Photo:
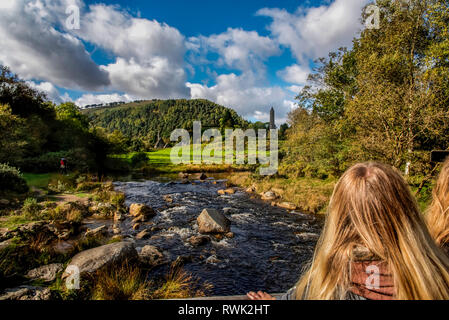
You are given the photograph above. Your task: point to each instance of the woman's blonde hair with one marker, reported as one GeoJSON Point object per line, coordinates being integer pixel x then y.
{"type": "Point", "coordinates": [372, 207]}
{"type": "Point", "coordinates": [438, 212]}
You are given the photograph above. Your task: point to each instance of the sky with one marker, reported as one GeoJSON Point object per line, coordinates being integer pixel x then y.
{"type": "Point", "coordinates": [249, 55]}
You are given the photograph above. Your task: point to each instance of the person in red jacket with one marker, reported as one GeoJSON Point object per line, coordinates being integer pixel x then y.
{"type": "Point", "coordinates": [63, 166]}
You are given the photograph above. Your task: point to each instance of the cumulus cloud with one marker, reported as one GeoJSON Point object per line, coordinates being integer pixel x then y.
{"type": "Point", "coordinates": [89, 99]}
{"type": "Point", "coordinates": [149, 55]}
{"type": "Point", "coordinates": [313, 32]}
{"type": "Point", "coordinates": [243, 94]}
{"type": "Point", "coordinates": [50, 91]}
{"type": "Point", "coordinates": [35, 49]}
{"type": "Point", "coordinates": [237, 48]}
{"type": "Point", "coordinates": [295, 74]}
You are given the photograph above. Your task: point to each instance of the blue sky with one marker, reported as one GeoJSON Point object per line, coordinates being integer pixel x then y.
{"type": "Point", "coordinates": [248, 55]}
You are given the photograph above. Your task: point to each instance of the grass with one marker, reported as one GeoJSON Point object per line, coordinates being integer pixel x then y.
{"type": "Point", "coordinates": [309, 195]}
{"type": "Point", "coordinates": [39, 180]}
{"type": "Point", "coordinates": [125, 282]}
{"type": "Point", "coordinates": [13, 221]}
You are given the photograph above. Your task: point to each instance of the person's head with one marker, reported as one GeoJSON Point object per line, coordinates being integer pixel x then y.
{"type": "Point", "coordinates": [372, 207]}
{"type": "Point", "coordinates": [438, 212]}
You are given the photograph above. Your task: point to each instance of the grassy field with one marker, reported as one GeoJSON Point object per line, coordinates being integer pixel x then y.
{"type": "Point", "coordinates": [39, 180]}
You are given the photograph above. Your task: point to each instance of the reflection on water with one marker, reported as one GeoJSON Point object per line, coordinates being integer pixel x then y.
{"type": "Point", "coordinates": [267, 252]}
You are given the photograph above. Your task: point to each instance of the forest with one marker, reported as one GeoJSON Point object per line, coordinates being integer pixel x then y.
{"type": "Point", "coordinates": [147, 125]}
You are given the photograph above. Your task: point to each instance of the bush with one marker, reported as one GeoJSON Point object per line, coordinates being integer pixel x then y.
{"type": "Point", "coordinates": [31, 209]}
{"type": "Point", "coordinates": [12, 180]}
{"type": "Point", "coordinates": [139, 158]}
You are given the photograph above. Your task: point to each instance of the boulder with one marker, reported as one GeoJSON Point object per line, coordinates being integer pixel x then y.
{"type": "Point", "coordinates": [287, 205]}
{"type": "Point", "coordinates": [151, 255]}
{"type": "Point", "coordinates": [94, 259]}
{"type": "Point", "coordinates": [251, 189]}
{"type": "Point", "coordinates": [46, 273]}
{"type": "Point", "coordinates": [269, 196]}
{"type": "Point", "coordinates": [212, 221]}
{"type": "Point", "coordinates": [230, 191]}
{"type": "Point", "coordinates": [197, 241]}
{"type": "Point", "coordinates": [143, 234]}
{"type": "Point", "coordinates": [96, 232]}
{"type": "Point", "coordinates": [138, 209]}
{"type": "Point", "coordinates": [4, 202]}
{"type": "Point", "coordinates": [167, 198]}
{"type": "Point", "coordinates": [213, 259]}
{"type": "Point", "coordinates": [26, 293]}
{"type": "Point", "coordinates": [221, 192]}
{"type": "Point", "coordinates": [229, 235]}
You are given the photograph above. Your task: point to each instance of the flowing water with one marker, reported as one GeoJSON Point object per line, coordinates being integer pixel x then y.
{"type": "Point", "coordinates": [268, 251]}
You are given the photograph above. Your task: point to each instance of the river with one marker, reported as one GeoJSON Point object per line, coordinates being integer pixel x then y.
{"type": "Point", "coordinates": [268, 252]}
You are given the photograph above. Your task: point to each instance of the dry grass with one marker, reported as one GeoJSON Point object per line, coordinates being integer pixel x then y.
{"type": "Point", "coordinates": [180, 285]}
{"type": "Point", "coordinates": [128, 282]}
{"type": "Point", "coordinates": [310, 195]}
{"type": "Point", "coordinates": [120, 283]}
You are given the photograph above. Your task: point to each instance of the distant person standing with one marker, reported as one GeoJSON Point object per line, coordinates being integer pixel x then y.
{"type": "Point", "coordinates": [63, 166]}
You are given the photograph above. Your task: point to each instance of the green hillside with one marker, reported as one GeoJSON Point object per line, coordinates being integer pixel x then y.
{"type": "Point", "coordinates": [149, 123]}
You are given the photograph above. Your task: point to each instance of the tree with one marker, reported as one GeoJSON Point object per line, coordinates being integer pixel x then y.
{"type": "Point", "coordinates": [12, 136]}
{"type": "Point", "coordinates": [395, 107]}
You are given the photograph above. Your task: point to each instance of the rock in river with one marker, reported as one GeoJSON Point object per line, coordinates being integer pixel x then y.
{"type": "Point", "coordinates": [143, 234]}
{"type": "Point", "coordinates": [212, 221]}
{"type": "Point", "coordinates": [197, 241]}
{"type": "Point", "coordinates": [138, 209]}
{"type": "Point", "coordinates": [151, 255]}
{"type": "Point", "coordinates": [91, 260]}
{"type": "Point", "coordinates": [287, 205]}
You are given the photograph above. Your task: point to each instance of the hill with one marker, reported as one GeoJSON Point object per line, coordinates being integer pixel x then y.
{"type": "Point", "coordinates": [149, 123]}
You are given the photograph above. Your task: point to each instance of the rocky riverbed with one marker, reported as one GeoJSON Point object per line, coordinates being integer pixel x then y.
{"type": "Point", "coordinates": [265, 248]}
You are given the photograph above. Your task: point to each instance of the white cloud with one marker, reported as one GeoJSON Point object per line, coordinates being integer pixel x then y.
{"type": "Point", "coordinates": [314, 32]}
{"type": "Point", "coordinates": [237, 48]}
{"type": "Point", "coordinates": [243, 94]}
{"type": "Point", "coordinates": [35, 49]}
{"type": "Point", "coordinates": [88, 99]}
{"type": "Point", "coordinates": [50, 91]}
{"type": "Point", "coordinates": [295, 74]}
{"type": "Point", "coordinates": [149, 55]}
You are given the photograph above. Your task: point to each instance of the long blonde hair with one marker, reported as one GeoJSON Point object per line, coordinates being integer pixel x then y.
{"type": "Point", "coordinates": [372, 207]}
{"type": "Point", "coordinates": [438, 212]}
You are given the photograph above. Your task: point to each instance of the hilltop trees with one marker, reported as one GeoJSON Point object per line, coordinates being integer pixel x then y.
{"type": "Point", "coordinates": [145, 124]}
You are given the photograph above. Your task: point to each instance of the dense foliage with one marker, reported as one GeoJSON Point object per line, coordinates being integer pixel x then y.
{"type": "Point", "coordinates": [35, 134]}
{"type": "Point", "coordinates": [146, 125]}
{"type": "Point", "coordinates": [11, 180]}
{"type": "Point", "coordinates": [386, 99]}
